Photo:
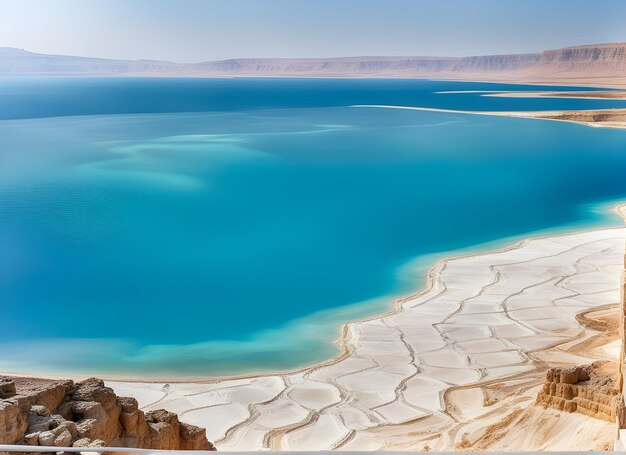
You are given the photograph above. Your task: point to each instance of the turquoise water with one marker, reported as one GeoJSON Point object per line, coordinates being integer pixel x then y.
{"type": "Point", "coordinates": [204, 227]}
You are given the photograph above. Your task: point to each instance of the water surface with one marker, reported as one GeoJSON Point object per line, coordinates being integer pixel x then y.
{"type": "Point", "coordinates": [201, 227]}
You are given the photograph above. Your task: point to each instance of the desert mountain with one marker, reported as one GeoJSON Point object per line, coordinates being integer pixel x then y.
{"type": "Point", "coordinates": [601, 63]}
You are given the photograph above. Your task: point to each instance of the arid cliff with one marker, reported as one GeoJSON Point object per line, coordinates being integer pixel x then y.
{"type": "Point", "coordinates": [600, 64]}
{"type": "Point", "coordinates": [601, 58]}
{"type": "Point", "coordinates": [368, 66]}
{"type": "Point", "coordinates": [40, 412]}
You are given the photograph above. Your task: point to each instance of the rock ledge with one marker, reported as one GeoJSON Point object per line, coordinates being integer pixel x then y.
{"type": "Point", "coordinates": [87, 414]}
{"type": "Point", "coordinates": [591, 390]}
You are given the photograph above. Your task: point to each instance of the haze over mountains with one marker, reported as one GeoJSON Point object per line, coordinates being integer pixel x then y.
{"type": "Point", "coordinates": [601, 64]}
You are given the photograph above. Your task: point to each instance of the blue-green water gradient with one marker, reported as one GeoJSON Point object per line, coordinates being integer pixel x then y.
{"type": "Point", "coordinates": [206, 227]}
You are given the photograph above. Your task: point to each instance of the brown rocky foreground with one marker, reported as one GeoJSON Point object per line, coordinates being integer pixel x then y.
{"type": "Point", "coordinates": [592, 390]}
{"type": "Point", "coordinates": [42, 412]}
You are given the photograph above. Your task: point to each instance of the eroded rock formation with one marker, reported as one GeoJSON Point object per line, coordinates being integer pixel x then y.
{"type": "Point", "coordinates": [87, 414]}
{"type": "Point", "coordinates": [591, 390]}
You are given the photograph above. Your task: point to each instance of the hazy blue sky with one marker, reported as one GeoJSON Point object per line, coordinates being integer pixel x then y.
{"type": "Point", "coordinates": [196, 30]}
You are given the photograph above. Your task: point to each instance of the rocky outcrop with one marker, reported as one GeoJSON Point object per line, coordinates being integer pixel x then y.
{"type": "Point", "coordinates": [592, 390]}
{"type": "Point", "coordinates": [87, 414]}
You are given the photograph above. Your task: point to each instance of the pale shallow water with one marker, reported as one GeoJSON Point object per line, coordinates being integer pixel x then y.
{"type": "Point", "coordinates": [204, 227]}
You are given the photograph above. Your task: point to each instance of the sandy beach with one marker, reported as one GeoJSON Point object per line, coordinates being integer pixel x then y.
{"type": "Point", "coordinates": [599, 118]}
{"type": "Point", "coordinates": [452, 367]}
{"type": "Point", "coordinates": [589, 95]}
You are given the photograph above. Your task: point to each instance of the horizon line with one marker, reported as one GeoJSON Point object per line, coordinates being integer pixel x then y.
{"type": "Point", "coordinates": [311, 58]}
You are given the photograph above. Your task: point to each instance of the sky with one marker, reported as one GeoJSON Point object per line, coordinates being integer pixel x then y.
{"type": "Point", "coordinates": [200, 30]}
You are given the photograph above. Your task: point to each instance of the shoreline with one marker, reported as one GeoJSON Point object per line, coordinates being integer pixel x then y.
{"type": "Point", "coordinates": [371, 349]}
{"type": "Point", "coordinates": [465, 331]}
{"type": "Point", "coordinates": [597, 118]}
{"type": "Point", "coordinates": [614, 95]}
{"type": "Point", "coordinates": [606, 83]}
{"type": "Point", "coordinates": [392, 305]}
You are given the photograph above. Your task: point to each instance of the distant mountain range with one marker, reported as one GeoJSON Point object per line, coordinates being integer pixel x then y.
{"type": "Point", "coordinates": [599, 64]}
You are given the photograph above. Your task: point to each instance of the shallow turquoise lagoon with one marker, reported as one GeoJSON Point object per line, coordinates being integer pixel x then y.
{"type": "Point", "coordinates": [206, 227]}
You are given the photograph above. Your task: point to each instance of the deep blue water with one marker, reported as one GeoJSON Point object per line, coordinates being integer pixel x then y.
{"type": "Point", "coordinates": [36, 97]}
{"type": "Point", "coordinates": [202, 226]}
